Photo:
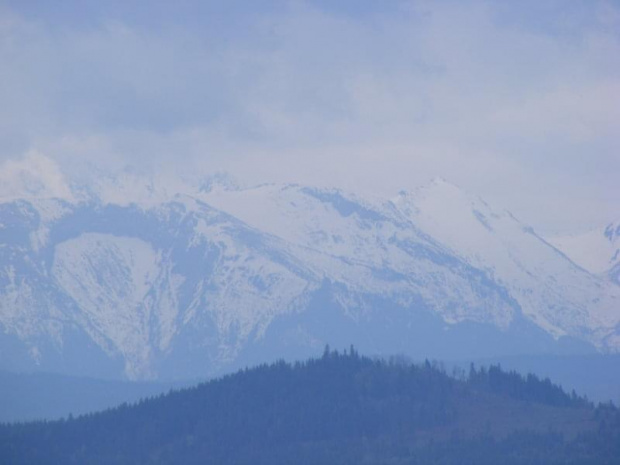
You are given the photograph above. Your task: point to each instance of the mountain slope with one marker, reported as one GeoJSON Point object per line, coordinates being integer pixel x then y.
{"type": "Point", "coordinates": [556, 294]}
{"type": "Point", "coordinates": [133, 279]}
{"type": "Point", "coordinates": [545, 286]}
{"type": "Point", "coordinates": [189, 284]}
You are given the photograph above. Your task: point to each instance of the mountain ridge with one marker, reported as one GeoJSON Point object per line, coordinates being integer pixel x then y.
{"type": "Point", "coordinates": [218, 272]}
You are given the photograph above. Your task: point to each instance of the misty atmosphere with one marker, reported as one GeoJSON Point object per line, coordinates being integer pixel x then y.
{"type": "Point", "coordinates": [310, 231]}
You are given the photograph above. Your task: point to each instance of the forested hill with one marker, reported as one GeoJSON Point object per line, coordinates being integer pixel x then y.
{"type": "Point", "coordinates": [340, 409]}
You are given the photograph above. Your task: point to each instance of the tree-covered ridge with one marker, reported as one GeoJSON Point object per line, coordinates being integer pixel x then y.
{"type": "Point", "coordinates": [338, 409]}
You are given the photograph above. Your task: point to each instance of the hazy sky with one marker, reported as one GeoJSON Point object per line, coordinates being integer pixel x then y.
{"type": "Point", "coordinates": [518, 101]}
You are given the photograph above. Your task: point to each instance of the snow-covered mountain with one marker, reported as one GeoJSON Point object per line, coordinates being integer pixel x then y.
{"type": "Point", "coordinates": [126, 278]}
{"type": "Point", "coordinates": [597, 250]}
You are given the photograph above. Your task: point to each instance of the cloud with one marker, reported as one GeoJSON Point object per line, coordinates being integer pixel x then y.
{"type": "Point", "coordinates": [33, 176]}
{"type": "Point", "coordinates": [515, 100]}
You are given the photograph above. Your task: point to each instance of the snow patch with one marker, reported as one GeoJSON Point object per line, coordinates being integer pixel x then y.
{"type": "Point", "coordinates": [109, 278]}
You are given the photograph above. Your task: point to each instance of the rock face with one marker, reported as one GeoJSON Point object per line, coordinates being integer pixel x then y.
{"type": "Point", "coordinates": [208, 280]}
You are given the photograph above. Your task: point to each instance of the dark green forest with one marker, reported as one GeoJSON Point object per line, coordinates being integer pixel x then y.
{"type": "Point", "coordinates": [342, 408]}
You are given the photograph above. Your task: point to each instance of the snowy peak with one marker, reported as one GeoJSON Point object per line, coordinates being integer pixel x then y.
{"type": "Point", "coordinates": [317, 218]}
{"type": "Point", "coordinates": [513, 255]}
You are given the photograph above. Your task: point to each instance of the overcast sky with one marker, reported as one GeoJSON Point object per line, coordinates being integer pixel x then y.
{"type": "Point", "coordinates": [517, 101]}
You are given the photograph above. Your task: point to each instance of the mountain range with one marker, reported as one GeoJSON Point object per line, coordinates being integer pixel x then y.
{"type": "Point", "coordinates": [123, 279]}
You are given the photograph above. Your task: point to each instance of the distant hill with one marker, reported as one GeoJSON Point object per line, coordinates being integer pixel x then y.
{"type": "Point", "coordinates": [46, 396]}
{"type": "Point", "coordinates": [339, 409]}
